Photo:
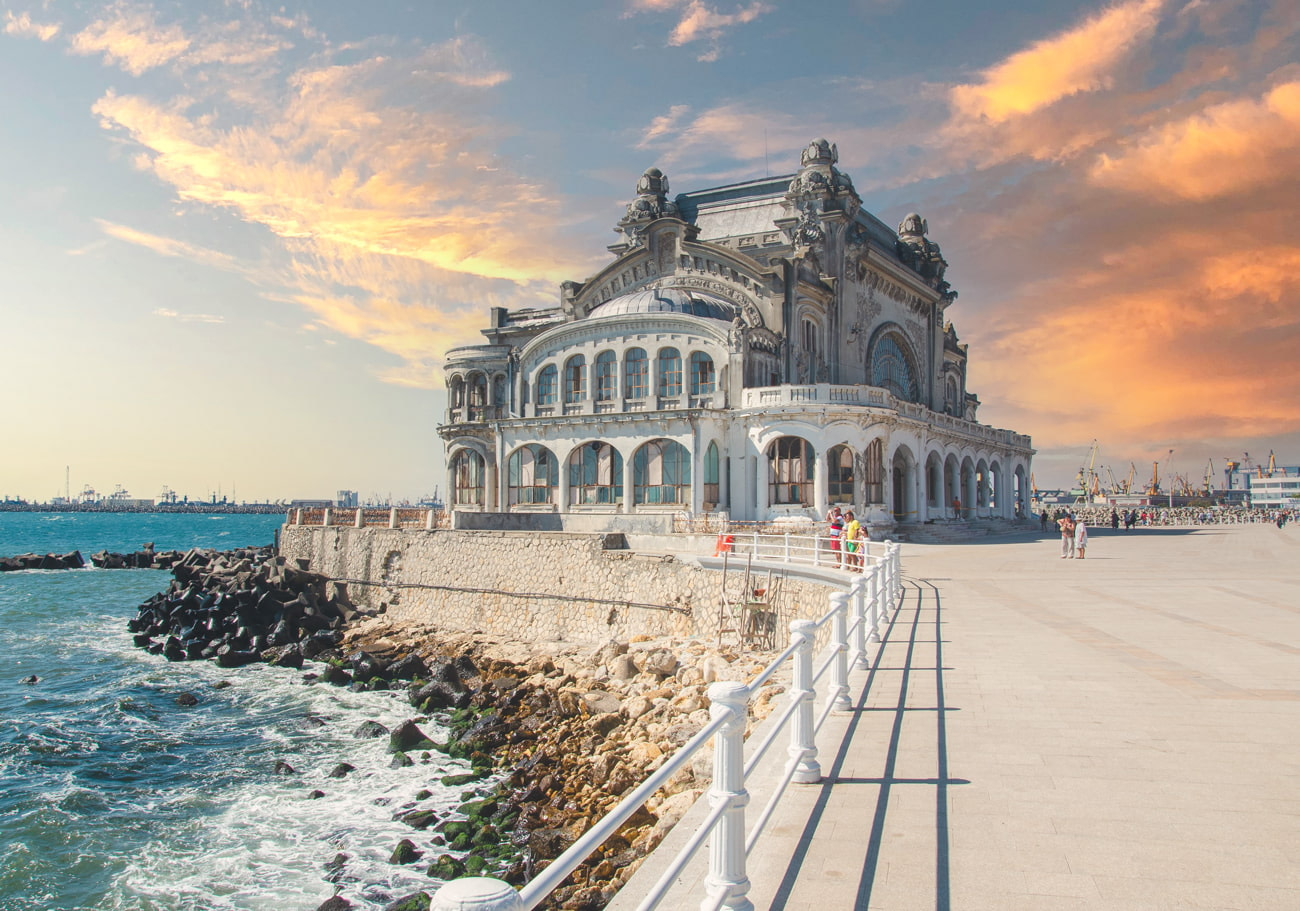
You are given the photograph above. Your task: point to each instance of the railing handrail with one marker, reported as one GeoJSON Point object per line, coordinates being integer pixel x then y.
{"type": "Point", "coordinates": [868, 598]}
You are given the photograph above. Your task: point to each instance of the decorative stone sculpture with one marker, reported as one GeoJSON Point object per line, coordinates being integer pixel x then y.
{"type": "Point", "coordinates": [651, 203]}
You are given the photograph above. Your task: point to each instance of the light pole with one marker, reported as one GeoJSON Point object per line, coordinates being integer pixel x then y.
{"type": "Point", "coordinates": [1168, 468]}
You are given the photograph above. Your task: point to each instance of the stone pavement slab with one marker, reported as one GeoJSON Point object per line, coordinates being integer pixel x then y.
{"type": "Point", "coordinates": [1120, 732]}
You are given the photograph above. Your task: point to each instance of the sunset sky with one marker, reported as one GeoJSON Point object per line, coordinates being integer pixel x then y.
{"type": "Point", "coordinates": [236, 238]}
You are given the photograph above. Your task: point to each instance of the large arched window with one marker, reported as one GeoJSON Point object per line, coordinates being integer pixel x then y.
{"type": "Point", "coordinates": [661, 473]}
{"type": "Point", "coordinates": [546, 383]}
{"type": "Point", "coordinates": [839, 465]}
{"type": "Point", "coordinates": [467, 478]}
{"type": "Point", "coordinates": [703, 378]}
{"type": "Point", "coordinates": [791, 472]}
{"type": "Point", "coordinates": [595, 475]}
{"type": "Point", "coordinates": [636, 374]}
{"type": "Point", "coordinates": [532, 473]}
{"type": "Point", "coordinates": [670, 372]}
{"type": "Point", "coordinates": [891, 367]}
{"type": "Point", "coordinates": [606, 376]}
{"type": "Point", "coordinates": [951, 405]}
{"type": "Point", "coordinates": [575, 379]}
{"type": "Point", "coordinates": [711, 475]}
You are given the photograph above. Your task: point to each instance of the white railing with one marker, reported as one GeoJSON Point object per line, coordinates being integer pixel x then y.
{"type": "Point", "coordinates": [855, 615]}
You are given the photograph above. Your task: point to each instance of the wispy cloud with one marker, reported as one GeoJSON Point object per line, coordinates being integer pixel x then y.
{"type": "Point", "coordinates": [1081, 59]}
{"type": "Point", "coordinates": [22, 26]}
{"type": "Point", "coordinates": [167, 313]}
{"type": "Point", "coordinates": [129, 37]}
{"type": "Point", "coordinates": [697, 21]}
{"type": "Point", "coordinates": [166, 246]}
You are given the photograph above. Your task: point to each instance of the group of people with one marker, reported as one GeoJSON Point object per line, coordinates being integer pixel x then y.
{"type": "Point", "coordinates": [1164, 516]}
{"type": "Point", "coordinates": [848, 539]}
{"type": "Point", "coordinates": [1074, 536]}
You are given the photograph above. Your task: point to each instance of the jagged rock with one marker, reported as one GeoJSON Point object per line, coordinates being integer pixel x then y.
{"type": "Point", "coordinates": [408, 736]}
{"type": "Point", "coordinates": [599, 702]}
{"type": "Point", "coordinates": [337, 903]}
{"type": "Point", "coordinates": [341, 770]}
{"type": "Point", "coordinates": [283, 768]}
{"type": "Point", "coordinates": [622, 667]}
{"type": "Point", "coordinates": [30, 680]}
{"type": "Point", "coordinates": [660, 662]}
{"type": "Point", "coordinates": [185, 700]}
{"type": "Point", "coordinates": [369, 729]}
{"type": "Point", "coordinates": [446, 868]}
{"type": "Point", "coordinates": [417, 901]}
{"type": "Point", "coordinates": [405, 853]}
{"type": "Point", "coordinates": [412, 667]}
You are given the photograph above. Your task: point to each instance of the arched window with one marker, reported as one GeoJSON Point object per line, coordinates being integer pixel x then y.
{"type": "Point", "coordinates": [575, 379]}
{"type": "Point", "coordinates": [532, 474]}
{"type": "Point", "coordinates": [891, 367]}
{"type": "Point", "coordinates": [457, 391]}
{"type": "Point", "coordinates": [661, 473]}
{"type": "Point", "coordinates": [711, 475]}
{"type": "Point", "coordinates": [546, 382]}
{"type": "Point", "coordinates": [791, 471]}
{"type": "Point", "coordinates": [670, 372]}
{"type": "Point", "coordinates": [703, 378]}
{"type": "Point", "coordinates": [606, 375]}
{"type": "Point", "coordinates": [467, 478]}
{"type": "Point", "coordinates": [951, 405]}
{"type": "Point", "coordinates": [839, 465]}
{"type": "Point", "coordinates": [595, 475]}
{"type": "Point", "coordinates": [636, 374]}
{"type": "Point", "coordinates": [478, 387]}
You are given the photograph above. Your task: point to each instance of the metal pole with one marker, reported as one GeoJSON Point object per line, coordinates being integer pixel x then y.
{"type": "Point", "coordinates": [727, 851]}
{"type": "Point", "coordinates": [802, 748]}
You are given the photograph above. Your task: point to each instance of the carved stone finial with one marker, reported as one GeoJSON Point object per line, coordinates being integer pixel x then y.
{"type": "Point", "coordinates": [913, 225]}
{"type": "Point", "coordinates": [819, 151]}
{"type": "Point", "coordinates": [651, 202]}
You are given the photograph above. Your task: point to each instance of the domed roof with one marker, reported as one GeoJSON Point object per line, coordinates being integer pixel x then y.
{"type": "Point", "coordinates": [668, 300]}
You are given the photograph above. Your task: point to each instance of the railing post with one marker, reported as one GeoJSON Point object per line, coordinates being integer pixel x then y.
{"type": "Point", "coordinates": [392, 517]}
{"type": "Point", "coordinates": [727, 851]}
{"type": "Point", "coordinates": [326, 517]}
{"type": "Point", "coordinates": [876, 610]}
{"type": "Point", "coordinates": [297, 516]}
{"type": "Point", "coordinates": [858, 590]}
{"type": "Point", "coordinates": [476, 893]}
{"type": "Point", "coordinates": [802, 748]}
{"type": "Point", "coordinates": [787, 547]}
{"type": "Point", "coordinates": [838, 696]}
{"type": "Point", "coordinates": [895, 583]}
{"type": "Point", "coordinates": [429, 520]}
{"type": "Point", "coordinates": [360, 520]}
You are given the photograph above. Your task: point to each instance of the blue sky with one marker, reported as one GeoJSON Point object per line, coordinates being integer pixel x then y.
{"type": "Point", "coordinates": [236, 238]}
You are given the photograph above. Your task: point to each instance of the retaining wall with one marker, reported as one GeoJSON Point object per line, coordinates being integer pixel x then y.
{"type": "Point", "coordinates": [535, 586]}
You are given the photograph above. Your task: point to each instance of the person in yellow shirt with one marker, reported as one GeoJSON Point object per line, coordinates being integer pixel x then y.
{"type": "Point", "coordinates": [852, 543]}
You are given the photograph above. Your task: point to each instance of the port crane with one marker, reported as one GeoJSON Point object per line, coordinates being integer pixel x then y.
{"type": "Point", "coordinates": [1088, 481]}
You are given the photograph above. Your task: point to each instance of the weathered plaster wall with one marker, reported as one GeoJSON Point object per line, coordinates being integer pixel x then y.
{"type": "Point", "coordinates": [538, 586]}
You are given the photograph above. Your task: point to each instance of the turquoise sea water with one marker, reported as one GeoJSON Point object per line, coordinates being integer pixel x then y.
{"type": "Point", "coordinates": [113, 796]}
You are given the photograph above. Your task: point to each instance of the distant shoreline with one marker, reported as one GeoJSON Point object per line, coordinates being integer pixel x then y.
{"type": "Point", "coordinates": [168, 509]}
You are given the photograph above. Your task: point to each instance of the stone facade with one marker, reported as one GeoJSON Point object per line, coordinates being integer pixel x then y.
{"type": "Point", "coordinates": [533, 587]}
{"type": "Point", "coordinates": [765, 349]}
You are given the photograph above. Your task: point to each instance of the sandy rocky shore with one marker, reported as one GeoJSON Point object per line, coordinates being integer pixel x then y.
{"type": "Point", "coordinates": [554, 733]}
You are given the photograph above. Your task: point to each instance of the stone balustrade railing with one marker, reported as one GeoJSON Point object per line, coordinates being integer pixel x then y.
{"type": "Point", "coordinates": [370, 517]}
{"type": "Point", "coordinates": [854, 617]}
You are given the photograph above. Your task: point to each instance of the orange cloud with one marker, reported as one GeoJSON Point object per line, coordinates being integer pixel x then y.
{"type": "Point", "coordinates": [1233, 147]}
{"type": "Point", "coordinates": [1078, 60]}
{"type": "Point", "coordinates": [22, 26]}
{"type": "Point", "coordinates": [699, 21]}
{"type": "Point", "coordinates": [130, 38]}
{"type": "Point", "coordinates": [166, 246]}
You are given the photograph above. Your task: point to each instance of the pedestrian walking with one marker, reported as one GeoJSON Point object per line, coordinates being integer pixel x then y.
{"type": "Point", "coordinates": [1080, 539]}
{"type": "Point", "coordinates": [1066, 524]}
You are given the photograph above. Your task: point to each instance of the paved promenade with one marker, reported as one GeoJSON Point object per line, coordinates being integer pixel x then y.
{"type": "Point", "coordinates": [1120, 732]}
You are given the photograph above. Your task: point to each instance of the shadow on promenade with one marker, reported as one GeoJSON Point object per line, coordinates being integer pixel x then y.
{"type": "Point", "coordinates": [917, 622]}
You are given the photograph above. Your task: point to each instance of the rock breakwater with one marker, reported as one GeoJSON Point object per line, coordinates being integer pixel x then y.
{"type": "Point", "coordinates": [555, 737]}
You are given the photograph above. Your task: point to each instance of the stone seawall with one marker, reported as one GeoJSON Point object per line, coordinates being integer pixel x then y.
{"type": "Point", "coordinates": [531, 586]}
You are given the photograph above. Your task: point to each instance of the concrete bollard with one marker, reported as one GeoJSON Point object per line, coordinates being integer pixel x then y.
{"type": "Point", "coordinates": [727, 849]}
{"type": "Point", "coordinates": [838, 694]}
{"type": "Point", "coordinates": [476, 893]}
{"type": "Point", "coordinates": [326, 517]}
{"type": "Point", "coordinates": [360, 520]}
{"type": "Point", "coordinates": [392, 517]}
{"type": "Point", "coordinates": [802, 746]}
{"type": "Point", "coordinates": [858, 592]}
